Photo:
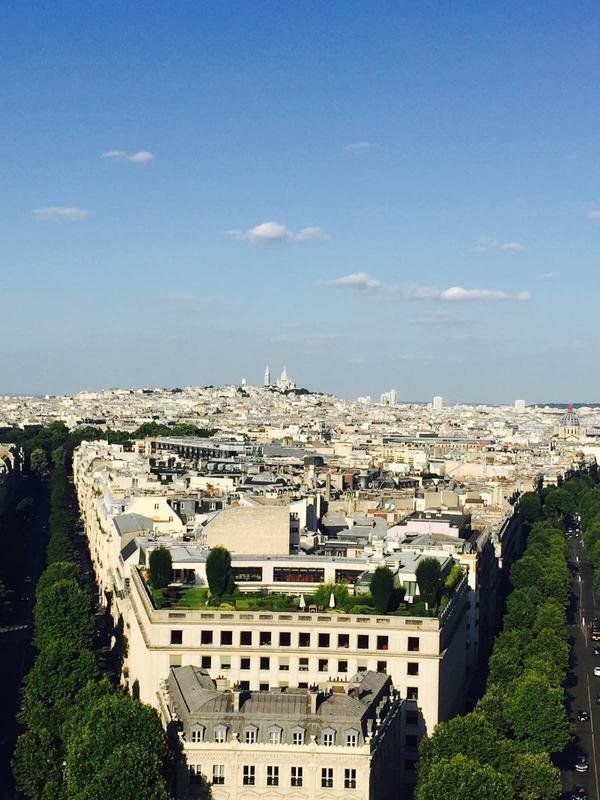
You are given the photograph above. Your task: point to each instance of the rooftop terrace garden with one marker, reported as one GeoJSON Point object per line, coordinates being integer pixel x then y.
{"type": "Point", "coordinates": [384, 597]}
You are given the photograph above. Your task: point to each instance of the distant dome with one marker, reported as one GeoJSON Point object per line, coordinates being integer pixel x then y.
{"type": "Point", "coordinates": [570, 420]}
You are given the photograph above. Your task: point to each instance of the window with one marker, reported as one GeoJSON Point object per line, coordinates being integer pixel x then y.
{"type": "Point", "coordinates": [272, 776]}
{"type": "Point", "coordinates": [244, 574]}
{"type": "Point", "coordinates": [297, 774]}
{"type": "Point", "coordinates": [362, 666]}
{"type": "Point", "coordinates": [226, 637]}
{"type": "Point", "coordinates": [412, 717]}
{"type": "Point", "coordinates": [285, 639]}
{"type": "Point", "coordinates": [221, 733]}
{"type": "Point", "coordinates": [303, 665]}
{"type": "Point", "coordinates": [412, 693]}
{"type": "Point", "coordinates": [264, 638]}
{"type": "Point", "coordinates": [197, 732]}
{"type": "Point", "coordinates": [413, 644]}
{"type": "Point", "coordinates": [298, 575]}
{"type": "Point", "coordinates": [323, 640]}
{"type": "Point", "coordinates": [250, 735]}
{"type": "Point", "coordinates": [349, 779]}
{"type": "Point", "coordinates": [382, 642]}
{"type": "Point", "coordinates": [249, 775]}
{"type": "Point", "coordinates": [205, 662]}
{"type": "Point", "coordinates": [323, 665]}
{"type": "Point", "coordinates": [226, 662]}
{"type": "Point", "coordinates": [174, 661]}
{"type": "Point", "coordinates": [275, 735]}
{"type": "Point", "coordinates": [412, 668]}
{"type": "Point", "coordinates": [263, 687]}
{"type": "Point", "coordinates": [351, 738]}
{"type": "Point", "coordinates": [156, 506]}
{"type": "Point", "coordinates": [327, 777]}
{"type": "Point", "coordinates": [176, 637]}
{"type": "Point", "coordinates": [206, 637]}
{"type": "Point", "coordinates": [298, 736]}
{"type": "Point", "coordinates": [244, 663]}
{"type": "Point", "coordinates": [410, 740]}
{"type": "Point", "coordinates": [344, 640]}
{"type": "Point", "coordinates": [218, 774]}
{"type": "Point", "coordinates": [328, 737]}
{"type": "Point", "coordinates": [342, 666]}
{"type": "Point", "coordinates": [362, 641]}
{"type": "Point", "coordinates": [195, 774]}
{"type": "Point", "coordinates": [246, 638]}
{"type": "Point", "coordinates": [304, 640]}
{"type": "Point", "coordinates": [382, 666]}
{"type": "Point", "coordinates": [265, 662]}
{"type": "Point", "coordinates": [284, 664]}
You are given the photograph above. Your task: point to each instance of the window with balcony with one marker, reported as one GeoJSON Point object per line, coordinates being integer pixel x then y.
{"type": "Point", "coordinates": [297, 776]}
{"type": "Point", "coordinates": [327, 777]}
{"type": "Point", "coordinates": [249, 775]}
{"type": "Point", "coordinates": [272, 775]}
{"type": "Point", "coordinates": [218, 774]}
{"type": "Point", "coordinates": [350, 778]}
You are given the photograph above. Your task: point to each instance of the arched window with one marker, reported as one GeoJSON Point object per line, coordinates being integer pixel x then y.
{"type": "Point", "coordinates": [197, 733]}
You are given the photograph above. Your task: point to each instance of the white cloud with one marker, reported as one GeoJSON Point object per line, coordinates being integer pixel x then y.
{"type": "Point", "coordinates": [140, 157]}
{"type": "Point", "coordinates": [358, 147]}
{"type": "Point", "coordinates": [275, 232]}
{"type": "Point", "coordinates": [60, 213]}
{"type": "Point", "coordinates": [457, 293]}
{"type": "Point", "coordinates": [306, 234]}
{"type": "Point", "coordinates": [486, 243]}
{"type": "Point", "coordinates": [593, 213]}
{"type": "Point", "coordinates": [355, 280]}
{"type": "Point", "coordinates": [412, 291]}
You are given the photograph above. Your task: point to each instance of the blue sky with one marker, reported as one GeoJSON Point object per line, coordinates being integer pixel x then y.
{"type": "Point", "coordinates": [383, 194]}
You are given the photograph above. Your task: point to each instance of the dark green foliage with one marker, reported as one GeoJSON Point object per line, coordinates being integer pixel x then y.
{"type": "Point", "coordinates": [57, 571]}
{"type": "Point", "coordinates": [38, 462]}
{"type": "Point", "coordinates": [63, 611]}
{"type": "Point", "coordinates": [37, 765]}
{"type": "Point", "coordinates": [459, 778]}
{"type": "Point", "coordinates": [382, 589]}
{"type": "Point", "coordinates": [529, 506]}
{"type": "Point", "coordinates": [161, 568]}
{"type": "Point", "coordinates": [429, 579]}
{"type": "Point", "coordinates": [559, 502]}
{"type": "Point", "coordinates": [218, 571]}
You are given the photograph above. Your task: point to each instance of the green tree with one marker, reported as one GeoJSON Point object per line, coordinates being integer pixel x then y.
{"type": "Point", "coordinates": [322, 595]}
{"type": "Point", "coordinates": [37, 765]}
{"type": "Point", "coordinates": [110, 728]}
{"type": "Point", "coordinates": [530, 507]}
{"type": "Point", "coordinates": [460, 777]}
{"type": "Point", "coordinates": [429, 579]}
{"type": "Point", "coordinates": [63, 611]}
{"type": "Point", "coordinates": [558, 503]}
{"type": "Point", "coordinates": [536, 778]}
{"type": "Point", "coordinates": [161, 568]}
{"type": "Point", "coordinates": [58, 571]}
{"type": "Point", "coordinates": [218, 571]}
{"type": "Point", "coordinates": [536, 714]}
{"type": "Point", "coordinates": [38, 461]}
{"type": "Point", "coordinates": [382, 588]}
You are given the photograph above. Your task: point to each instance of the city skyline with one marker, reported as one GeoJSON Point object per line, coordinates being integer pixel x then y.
{"type": "Point", "coordinates": [193, 190]}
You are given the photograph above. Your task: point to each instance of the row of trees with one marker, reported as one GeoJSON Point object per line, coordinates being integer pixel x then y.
{"type": "Point", "coordinates": [83, 739]}
{"type": "Point", "coordinates": [502, 749]}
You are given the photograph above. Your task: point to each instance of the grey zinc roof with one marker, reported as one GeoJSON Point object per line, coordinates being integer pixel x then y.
{"type": "Point", "coordinates": [133, 523]}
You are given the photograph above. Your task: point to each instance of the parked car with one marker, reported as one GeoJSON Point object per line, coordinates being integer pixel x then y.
{"type": "Point", "coordinates": [597, 651]}
{"type": "Point", "coordinates": [581, 763]}
{"type": "Point", "coordinates": [583, 715]}
{"type": "Point", "coordinates": [597, 671]}
{"type": "Point", "coordinates": [579, 792]}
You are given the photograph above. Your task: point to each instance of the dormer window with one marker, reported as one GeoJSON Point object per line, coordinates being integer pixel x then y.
{"type": "Point", "coordinates": [328, 737]}
{"type": "Point", "coordinates": [275, 735]}
{"type": "Point", "coordinates": [351, 738]}
{"type": "Point", "coordinates": [250, 734]}
{"type": "Point", "coordinates": [220, 733]}
{"type": "Point", "coordinates": [197, 733]}
{"type": "Point", "coordinates": [298, 736]}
